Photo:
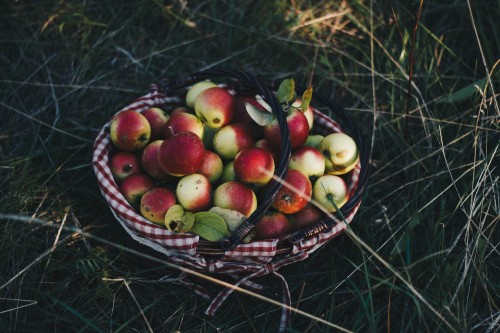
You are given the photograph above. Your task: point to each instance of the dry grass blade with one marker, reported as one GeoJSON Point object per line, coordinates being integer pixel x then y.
{"type": "Point", "coordinates": [82, 233]}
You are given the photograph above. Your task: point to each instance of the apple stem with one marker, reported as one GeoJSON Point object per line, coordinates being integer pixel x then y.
{"type": "Point", "coordinates": [171, 130]}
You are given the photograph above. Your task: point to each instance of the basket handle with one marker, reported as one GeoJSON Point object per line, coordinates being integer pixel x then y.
{"type": "Point", "coordinates": [245, 80]}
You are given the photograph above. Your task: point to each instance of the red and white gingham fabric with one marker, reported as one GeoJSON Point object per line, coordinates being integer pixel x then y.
{"type": "Point", "coordinates": [246, 261]}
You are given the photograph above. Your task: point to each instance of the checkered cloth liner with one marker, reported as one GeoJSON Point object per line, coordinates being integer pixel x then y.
{"type": "Point", "coordinates": [246, 261]}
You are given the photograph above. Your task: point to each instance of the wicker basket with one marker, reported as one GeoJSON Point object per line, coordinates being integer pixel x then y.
{"type": "Point", "coordinates": [242, 261]}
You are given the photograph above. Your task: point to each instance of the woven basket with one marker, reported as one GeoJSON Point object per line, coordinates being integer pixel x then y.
{"type": "Point", "coordinates": [242, 261]}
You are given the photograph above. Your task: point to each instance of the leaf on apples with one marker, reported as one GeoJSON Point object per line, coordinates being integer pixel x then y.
{"type": "Point", "coordinates": [209, 226]}
{"type": "Point", "coordinates": [178, 220]}
{"type": "Point", "coordinates": [286, 91]}
{"type": "Point", "coordinates": [263, 118]}
{"type": "Point", "coordinates": [232, 218]}
{"type": "Point", "coordinates": [263, 103]}
{"type": "Point", "coordinates": [306, 98]}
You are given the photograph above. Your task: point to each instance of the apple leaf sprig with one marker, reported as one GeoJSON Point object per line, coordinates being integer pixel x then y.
{"type": "Point", "coordinates": [286, 96]}
{"type": "Point", "coordinates": [211, 225]}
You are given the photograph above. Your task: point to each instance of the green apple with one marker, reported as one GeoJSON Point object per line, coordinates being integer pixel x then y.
{"type": "Point", "coordinates": [341, 153]}
{"type": "Point", "coordinates": [314, 140]}
{"type": "Point", "coordinates": [329, 189]}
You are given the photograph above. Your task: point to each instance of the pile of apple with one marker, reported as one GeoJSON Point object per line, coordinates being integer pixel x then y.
{"type": "Point", "coordinates": [199, 167]}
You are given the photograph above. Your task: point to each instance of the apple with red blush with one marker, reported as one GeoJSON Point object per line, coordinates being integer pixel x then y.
{"type": "Point", "coordinates": [254, 166]}
{"type": "Point", "coordinates": [183, 122]}
{"type": "Point", "coordinates": [231, 139]}
{"type": "Point", "coordinates": [130, 131]}
{"type": "Point", "coordinates": [212, 167]}
{"type": "Point", "coordinates": [155, 203]}
{"type": "Point", "coordinates": [309, 161]}
{"type": "Point", "coordinates": [308, 215]}
{"type": "Point", "coordinates": [263, 143]}
{"type": "Point", "coordinates": [183, 154]}
{"type": "Point", "coordinates": [272, 225]}
{"type": "Point", "coordinates": [236, 196]}
{"type": "Point", "coordinates": [194, 192]}
{"type": "Point", "coordinates": [308, 112]}
{"type": "Point", "coordinates": [195, 90]}
{"type": "Point", "coordinates": [134, 186]}
{"type": "Point", "coordinates": [298, 126]}
{"type": "Point", "coordinates": [150, 162]}
{"type": "Point", "coordinates": [179, 109]}
{"type": "Point", "coordinates": [241, 114]}
{"type": "Point", "coordinates": [157, 119]}
{"type": "Point", "coordinates": [294, 194]}
{"type": "Point", "coordinates": [123, 164]}
{"type": "Point", "coordinates": [215, 106]}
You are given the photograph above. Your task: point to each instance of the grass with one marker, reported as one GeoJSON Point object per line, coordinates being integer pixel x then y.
{"type": "Point", "coordinates": [423, 251]}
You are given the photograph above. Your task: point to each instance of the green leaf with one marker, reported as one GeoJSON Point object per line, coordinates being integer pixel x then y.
{"type": "Point", "coordinates": [232, 218]}
{"type": "Point", "coordinates": [306, 98]}
{"type": "Point", "coordinates": [286, 91]}
{"type": "Point", "coordinates": [263, 118]}
{"type": "Point", "coordinates": [262, 102]}
{"type": "Point", "coordinates": [209, 226]}
{"type": "Point", "coordinates": [178, 220]}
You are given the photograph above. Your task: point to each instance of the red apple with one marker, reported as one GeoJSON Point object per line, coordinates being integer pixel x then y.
{"type": "Point", "coordinates": [195, 90]}
{"type": "Point", "coordinates": [254, 166]}
{"type": "Point", "coordinates": [134, 186]}
{"type": "Point", "coordinates": [157, 119]}
{"type": "Point", "coordinates": [309, 113]}
{"type": "Point", "coordinates": [263, 143]}
{"type": "Point", "coordinates": [309, 161]}
{"type": "Point", "coordinates": [306, 216]}
{"type": "Point", "coordinates": [155, 203]}
{"type": "Point", "coordinates": [241, 114]}
{"type": "Point", "coordinates": [150, 162]}
{"type": "Point", "coordinates": [215, 107]}
{"type": "Point", "coordinates": [212, 167]}
{"type": "Point", "coordinates": [294, 194]}
{"type": "Point", "coordinates": [236, 196]}
{"type": "Point", "coordinates": [183, 122]}
{"type": "Point", "coordinates": [231, 139]}
{"type": "Point", "coordinates": [193, 192]}
{"type": "Point", "coordinates": [184, 109]}
{"type": "Point", "coordinates": [123, 164]}
{"type": "Point", "coordinates": [130, 131]}
{"type": "Point", "coordinates": [273, 225]}
{"type": "Point", "coordinates": [182, 154]}
{"type": "Point", "coordinates": [299, 130]}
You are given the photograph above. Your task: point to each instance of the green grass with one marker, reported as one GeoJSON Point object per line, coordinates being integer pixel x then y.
{"type": "Point", "coordinates": [423, 251]}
